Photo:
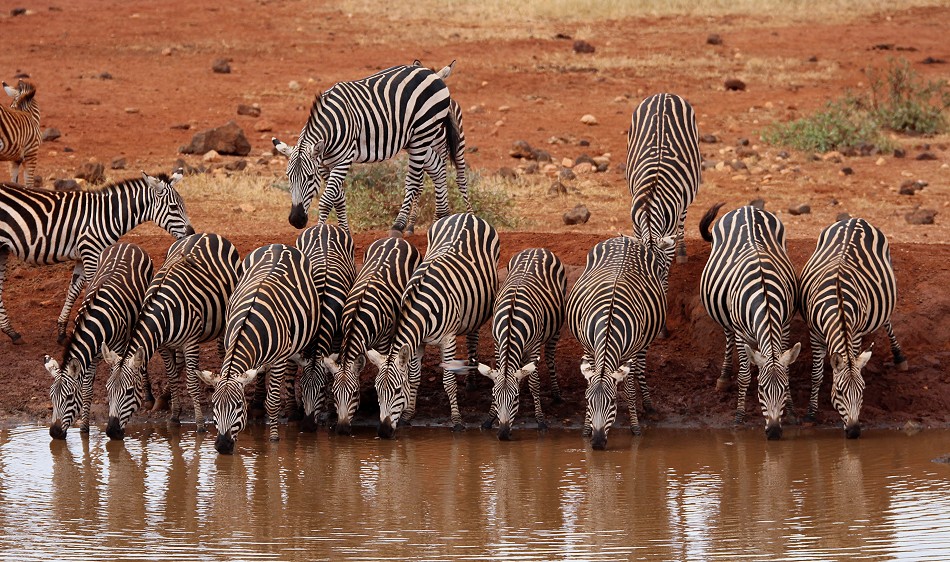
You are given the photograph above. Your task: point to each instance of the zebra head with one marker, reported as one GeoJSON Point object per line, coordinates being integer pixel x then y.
{"type": "Point", "coordinates": [167, 208]}
{"type": "Point", "coordinates": [228, 405]}
{"type": "Point", "coordinates": [505, 393]}
{"type": "Point", "coordinates": [303, 167]}
{"type": "Point", "coordinates": [346, 388]}
{"type": "Point", "coordinates": [65, 394]}
{"type": "Point", "coordinates": [847, 388]}
{"type": "Point", "coordinates": [392, 380]}
{"type": "Point", "coordinates": [312, 385]}
{"type": "Point", "coordinates": [125, 388]}
{"type": "Point", "coordinates": [601, 395]}
{"type": "Point", "coordinates": [773, 385]}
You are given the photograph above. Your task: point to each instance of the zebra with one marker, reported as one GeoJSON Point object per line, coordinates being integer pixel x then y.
{"type": "Point", "coordinates": [20, 132]}
{"type": "Point", "coordinates": [450, 293]}
{"type": "Point", "coordinates": [369, 317]}
{"type": "Point", "coordinates": [46, 227]}
{"type": "Point", "coordinates": [184, 306]}
{"type": "Point", "coordinates": [663, 169]}
{"type": "Point", "coordinates": [330, 251]}
{"type": "Point", "coordinates": [528, 314]}
{"type": "Point", "coordinates": [102, 327]}
{"type": "Point", "coordinates": [615, 310]}
{"type": "Point", "coordinates": [750, 289]}
{"type": "Point", "coordinates": [848, 290]}
{"type": "Point", "coordinates": [370, 120]}
{"type": "Point", "coordinates": [272, 315]}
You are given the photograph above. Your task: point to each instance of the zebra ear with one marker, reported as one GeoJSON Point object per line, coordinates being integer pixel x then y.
{"type": "Point", "coordinates": [620, 374]}
{"type": "Point", "coordinates": [297, 360]}
{"type": "Point", "coordinates": [375, 357]}
{"type": "Point", "coordinates": [447, 70]}
{"type": "Point", "coordinates": [755, 356]}
{"type": "Point", "coordinates": [587, 370]}
{"type": "Point", "coordinates": [837, 362]}
{"type": "Point", "coordinates": [176, 177]}
{"type": "Point", "coordinates": [51, 365]}
{"type": "Point", "coordinates": [666, 243]}
{"type": "Point", "coordinates": [405, 354]}
{"type": "Point", "coordinates": [109, 356]}
{"type": "Point", "coordinates": [529, 368]}
{"type": "Point", "coordinates": [247, 377]}
{"type": "Point", "coordinates": [157, 185]}
{"type": "Point", "coordinates": [209, 377]}
{"type": "Point", "coordinates": [791, 355]}
{"type": "Point", "coordinates": [316, 151]}
{"type": "Point", "coordinates": [485, 370]}
{"type": "Point", "coordinates": [331, 364]}
{"type": "Point", "coordinates": [12, 92]}
{"type": "Point", "coordinates": [281, 147]}
{"type": "Point", "coordinates": [863, 359]}
{"type": "Point", "coordinates": [73, 369]}
{"type": "Point", "coordinates": [138, 359]}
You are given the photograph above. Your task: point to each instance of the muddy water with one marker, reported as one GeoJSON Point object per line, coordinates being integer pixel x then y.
{"type": "Point", "coordinates": [669, 495]}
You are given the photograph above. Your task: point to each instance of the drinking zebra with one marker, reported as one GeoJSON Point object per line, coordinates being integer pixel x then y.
{"type": "Point", "coordinates": [273, 314]}
{"type": "Point", "coordinates": [663, 169]}
{"type": "Point", "coordinates": [528, 314]}
{"type": "Point", "coordinates": [615, 310]}
{"type": "Point", "coordinates": [369, 317]}
{"type": "Point", "coordinates": [750, 288]}
{"type": "Point", "coordinates": [102, 328]}
{"type": "Point", "coordinates": [370, 120]}
{"type": "Point", "coordinates": [330, 251]}
{"type": "Point", "coordinates": [848, 291]}
{"type": "Point", "coordinates": [449, 294]}
{"type": "Point", "coordinates": [184, 306]}
{"type": "Point", "coordinates": [20, 132]}
{"type": "Point", "coordinates": [46, 227]}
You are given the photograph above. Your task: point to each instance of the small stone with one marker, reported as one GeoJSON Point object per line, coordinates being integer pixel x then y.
{"type": "Point", "coordinates": [583, 142]}
{"type": "Point", "coordinates": [521, 149]}
{"type": "Point", "coordinates": [504, 108]}
{"type": "Point", "coordinates": [932, 60]}
{"type": "Point", "coordinates": [920, 216]}
{"type": "Point", "coordinates": [263, 126]}
{"type": "Point", "coordinates": [249, 110]}
{"type": "Point", "coordinates": [910, 187]}
{"type": "Point", "coordinates": [89, 101]}
{"type": "Point", "coordinates": [131, 110]}
{"type": "Point", "coordinates": [211, 156]}
{"type": "Point", "coordinates": [577, 215]}
{"type": "Point", "coordinates": [66, 185]}
{"type": "Point", "coordinates": [567, 175]}
{"type": "Point", "coordinates": [734, 85]}
{"type": "Point", "coordinates": [783, 154]}
{"type": "Point", "coordinates": [506, 173]}
{"type": "Point", "coordinates": [18, 12]}
{"type": "Point", "coordinates": [813, 58]}
{"type": "Point", "coordinates": [92, 172]}
{"type": "Point", "coordinates": [532, 168]}
{"type": "Point", "coordinates": [118, 163]}
{"type": "Point", "coordinates": [293, 86]}
{"type": "Point", "coordinates": [620, 99]}
{"type": "Point", "coordinates": [167, 52]}
{"type": "Point", "coordinates": [583, 168]}
{"type": "Point", "coordinates": [557, 188]}
{"type": "Point", "coordinates": [68, 149]}
{"type": "Point", "coordinates": [843, 217]}
{"type": "Point", "coordinates": [926, 156]}
{"type": "Point", "coordinates": [105, 76]}
{"type": "Point", "coordinates": [833, 156]}
{"type": "Point", "coordinates": [51, 134]}
{"type": "Point", "coordinates": [745, 152]}
{"type": "Point", "coordinates": [583, 47]}
{"type": "Point", "coordinates": [236, 165]}
{"type": "Point", "coordinates": [182, 126]}
{"type": "Point", "coordinates": [738, 165]}
{"type": "Point", "coordinates": [714, 39]}
{"type": "Point", "coordinates": [221, 66]}
{"type": "Point", "coordinates": [899, 153]}
{"type": "Point", "coordinates": [758, 204]}
{"type": "Point", "coordinates": [880, 161]}
{"type": "Point", "coordinates": [847, 171]}
{"type": "Point", "coordinates": [911, 427]}
{"type": "Point", "coordinates": [711, 139]}
{"type": "Point", "coordinates": [801, 209]}
{"type": "Point", "coordinates": [742, 142]}
{"type": "Point", "coordinates": [589, 119]}
{"type": "Point", "coordinates": [603, 167]}
{"type": "Point", "coordinates": [585, 158]}
{"type": "Point", "coordinates": [538, 154]}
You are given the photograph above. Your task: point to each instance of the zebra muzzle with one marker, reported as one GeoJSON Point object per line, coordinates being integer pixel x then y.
{"type": "Point", "coordinates": [114, 430]}
{"type": "Point", "coordinates": [298, 216]}
{"type": "Point", "coordinates": [57, 431]}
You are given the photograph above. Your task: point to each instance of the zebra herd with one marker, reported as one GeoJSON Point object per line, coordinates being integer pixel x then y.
{"type": "Point", "coordinates": [305, 307]}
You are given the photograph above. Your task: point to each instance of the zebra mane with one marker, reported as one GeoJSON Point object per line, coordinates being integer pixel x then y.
{"type": "Point", "coordinates": [27, 94]}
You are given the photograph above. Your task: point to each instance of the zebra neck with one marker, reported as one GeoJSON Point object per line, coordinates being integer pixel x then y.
{"type": "Point", "coordinates": [127, 204]}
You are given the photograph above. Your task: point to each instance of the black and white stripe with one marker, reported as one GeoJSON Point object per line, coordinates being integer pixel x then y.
{"type": "Point", "coordinates": [273, 314]}
{"type": "Point", "coordinates": [750, 288]}
{"type": "Point", "coordinates": [102, 328]}
{"type": "Point", "coordinates": [615, 310]}
{"type": "Point", "coordinates": [330, 251]}
{"type": "Point", "coordinates": [450, 294]}
{"type": "Point", "coordinates": [663, 169]}
{"type": "Point", "coordinates": [528, 314]}
{"type": "Point", "coordinates": [20, 132]}
{"type": "Point", "coordinates": [371, 120]}
{"type": "Point", "coordinates": [46, 227]}
{"type": "Point", "coordinates": [185, 305]}
{"type": "Point", "coordinates": [848, 291]}
{"type": "Point", "coordinates": [369, 318]}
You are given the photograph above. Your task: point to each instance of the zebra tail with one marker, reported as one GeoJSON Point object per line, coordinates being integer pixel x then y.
{"type": "Point", "coordinates": [708, 219]}
{"type": "Point", "coordinates": [452, 136]}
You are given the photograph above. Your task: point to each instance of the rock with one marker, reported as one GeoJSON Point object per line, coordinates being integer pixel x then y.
{"type": "Point", "coordinates": [833, 156]}
{"type": "Point", "coordinates": [910, 187]}
{"type": "Point", "coordinates": [249, 110]}
{"type": "Point", "coordinates": [521, 149]}
{"type": "Point", "coordinates": [843, 217]}
{"type": "Point", "coordinates": [66, 185]}
{"type": "Point", "coordinates": [758, 204]}
{"type": "Point", "coordinates": [264, 126]}
{"type": "Point", "coordinates": [293, 86]}
{"type": "Point", "coordinates": [583, 142]}
{"type": "Point", "coordinates": [583, 47]}
{"type": "Point", "coordinates": [585, 158]}
{"type": "Point", "coordinates": [181, 126]}
{"type": "Point", "coordinates": [583, 168]}
{"type": "Point", "coordinates": [742, 142]}
{"type": "Point", "coordinates": [738, 165]}
{"type": "Point", "coordinates": [577, 215]}
{"type": "Point", "coordinates": [899, 153]}
{"type": "Point", "coordinates": [131, 110]}
{"type": "Point", "coordinates": [506, 173]}
{"type": "Point", "coordinates": [734, 85]}
{"type": "Point", "coordinates": [911, 427]}
{"type": "Point", "coordinates": [567, 175]}
{"type": "Point", "coordinates": [847, 171]}
{"type": "Point", "coordinates": [539, 155]}
{"type": "Point", "coordinates": [557, 188]}
{"type": "Point", "coordinates": [187, 169]}
{"type": "Point", "coordinates": [227, 139]}
{"type": "Point", "coordinates": [813, 58]}
{"type": "Point", "coordinates": [51, 134]}
{"type": "Point", "coordinates": [17, 12]}
{"type": "Point", "coordinates": [118, 163]}
{"type": "Point", "coordinates": [714, 39]}
{"type": "Point", "coordinates": [945, 459]}
{"type": "Point", "coordinates": [711, 139]}
{"type": "Point", "coordinates": [746, 152]}
{"type": "Point", "coordinates": [880, 161]}
{"type": "Point", "coordinates": [589, 119]}
{"type": "Point", "coordinates": [92, 172]}
{"type": "Point", "coordinates": [211, 156]}
{"type": "Point", "coordinates": [932, 60]}
{"type": "Point", "coordinates": [236, 165]}
{"type": "Point", "coordinates": [783, 154]}
{"type": "Point", "coordinates": [167, 52]}
{"type": "Point", "coordinates": [68, 149]}
{"type": "Point", "coordinates": [926, 156]}
{"type": "Point", "coordinates": [89, 101]}
{"type": "Point", "coordinates": [105, 76]}
{"type": "Point", "coordinates": [920, 216]}
{"type": "Point", "coordinates": [221, 66]}
{"type": "Point", "coordinates": [602, 167]}
{"type": "Point", "coordinates": [800, 209]}
{"type": "Point", "coordinates": [532, 168]}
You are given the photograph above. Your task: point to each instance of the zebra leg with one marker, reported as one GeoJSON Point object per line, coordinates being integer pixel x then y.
{"type": "Point", "coordinates": [272, 402]}
{"type": "Point", "coordinates": [415, 379]}
{"type": "Point", "coordinates": [193, 385]}
{"type": "Point", "coordinates": [471, 346]}
{"type": "Point", "coordinates": [260, 393]}
{"type": "Point", "coordinates": [725, 375]}
{"type": "Point", "coordinates": [291, 403]}
{"type": "Point", "coordinates": [4, 319]}
{"type": "Point", "coordinates": [639, 366]}
{"type": "Point", "coordinates": [413, 214]}
{"type": "Point", "coordinates": [29, 167]}
{"type": "Point", "coordinates": [85, 387]}
{"type": "Point", "coordinates": [549, 355]}
{"type": "Point", "coordinates": [448, 381]}
{"type": "Point", "coordinates": [534, 384]}
{"type": "Point", "coordinates": [744, 378]}
{"type": "Point", "coordinates": [630, 388]}
{"type": "Point", "coordinates": [435, 166]}
{"type": "Point", "coordinates": [333, 196]}
{"type": "Point", "coordinates": [171, 376]}
{"type": "Point", "coordinates": [681, 240]}
{"type": "Point", "coordinates": [587, 426]}
{"type": "Point", "coordinates": [413, 187]}
{"type": "Point", "coordinates": [817, 373]}
{"type": "Point", "coordinates": [900, 360]}
{"type": "Point", "coordinates": [75, 286]}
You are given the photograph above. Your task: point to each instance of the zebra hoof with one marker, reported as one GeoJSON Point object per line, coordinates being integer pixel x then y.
{"type": "Point", "coordinates": [902, 366]}
{"type": "Point", "coordinates": [542, 427]}
{"type": "Point", "coordinates": [174, 420]}
{"type": "Point", "coordinates": [458, 428]}
{"type": "Point", "coordinates": [722, 384]}
{"type": "Point", "coordinates": [17, 339]}
{"type": "Point", "coordinates": [556, 398]}
{"type": "Point", "coordinates": [60, 339]}
{"type": "Point", "coordinates": [682, 259]}
{"type": "Point", "coordinates": [635, 430]}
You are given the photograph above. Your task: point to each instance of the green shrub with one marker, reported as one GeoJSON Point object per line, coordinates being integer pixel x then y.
{"type": "Point", "coordinates": [903, 103]}
{"type": "Point", "coordinates": [840, 125]}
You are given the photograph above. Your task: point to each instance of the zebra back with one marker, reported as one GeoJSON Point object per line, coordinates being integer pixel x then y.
{"type": "Point", "coordinates": [333, 269]}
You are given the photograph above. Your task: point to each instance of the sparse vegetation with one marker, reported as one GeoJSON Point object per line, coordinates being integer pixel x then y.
{"type": "Point", "coordinates": [898, 100]}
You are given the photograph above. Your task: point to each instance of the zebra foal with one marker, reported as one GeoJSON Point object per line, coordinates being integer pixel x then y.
{"type": "Point", "coordinates": [20, 132]}
{"type": "Point", "coordinates": [102, 328]}
{"type": "Point", "coordinates": [272, 315]}
{"type": "Point", "coordinates": [848, 290]}
{"type": "Point", "coordinates": [615, 310]}
{"type": "Point", "coordinates": [750, 289]}
{"type": "Point", "coordinates": [46, 227]}
{"type": "Point", "coordinates": [184, 306]}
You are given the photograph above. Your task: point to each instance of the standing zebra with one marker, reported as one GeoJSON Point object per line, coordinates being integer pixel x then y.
{"type": "Point", "coordinates": [273, 314]}
{"type": "Point", "coordinates": [370, 120]}
{"type": "Point", "coordinates": [615, 310]}
{"type": "Point", "coordinates": [369, 318]}
{"type": "Point", "coordinates": [449, 294]}
{"type": "Point", "coordinates": [104, 323]}
{"type": "Point", "coordinates": [20, 132]}
{"type": "Point", "coordinates": [663, 169]}
{"type": "Point", "coordinates": [529, 312]}
{"type": "Point", "coordinates": [184, 306]}
{"type": "Point", "coordinates": [749, 287]}
{"type": "Point", "coordinates": [46, 227]}
{"type": "Point", "coordinates": [848, 291]}
{"type": "Point", "coordinates": [330, 251]}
